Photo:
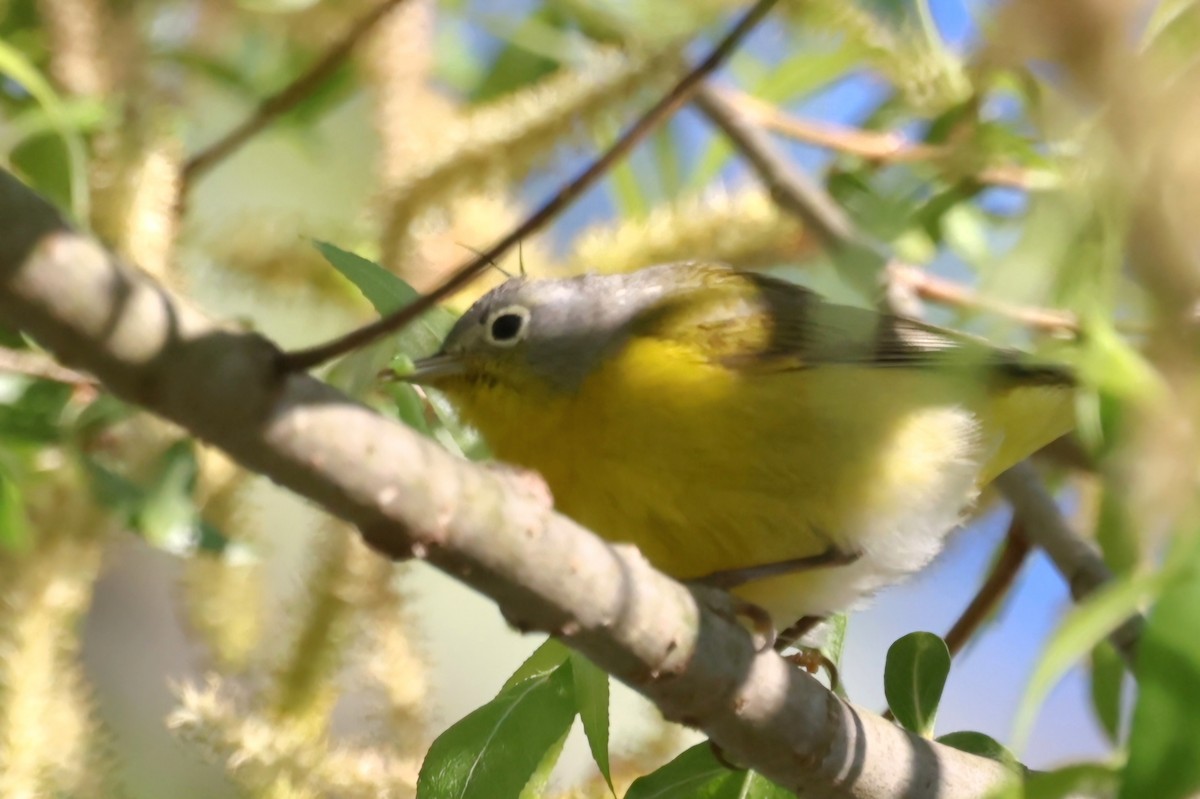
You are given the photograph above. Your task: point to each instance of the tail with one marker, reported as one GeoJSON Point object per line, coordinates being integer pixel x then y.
{"type": "Point", "coordinates": [1029, 414]}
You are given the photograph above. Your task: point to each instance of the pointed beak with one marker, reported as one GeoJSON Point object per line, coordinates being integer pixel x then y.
{"type": "Point", "coordinates": [427, 371]}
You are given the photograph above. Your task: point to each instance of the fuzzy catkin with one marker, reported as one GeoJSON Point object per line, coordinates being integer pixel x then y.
{"type": "Point", "coordinates": [745, 230]}
{"type": "Point", "coordinates": [502, 142]}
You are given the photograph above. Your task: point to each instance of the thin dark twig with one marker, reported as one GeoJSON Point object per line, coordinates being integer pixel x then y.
{"type": "Point", "coordinates": [999, 581]}
{"type": "Point", "coordinates": [302, 360]}
{"type": "Point", "coordinates": [1012, 558]}
{"type": "Point", "coordinates": [285, 99]}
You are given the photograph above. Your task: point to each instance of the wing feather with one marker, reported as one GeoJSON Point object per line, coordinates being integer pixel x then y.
{"type": "Point", "coordinates": [753, 322]}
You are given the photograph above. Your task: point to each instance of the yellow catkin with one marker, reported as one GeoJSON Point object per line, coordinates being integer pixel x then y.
{"type": "Point", "coordinates": [411, 116]}
{"type": "Point", "coordinates": [135, 184]}
{"type": "Point", "coordinates": [264, 246]}
{"type": "Point", "coordinates": [745, 229]}
{"type": "Point", "coordinates": [77, 32]}
{"type": "Point", "coordinates": [929, 80]}
{"type": "Point", "coordinates": [270, 760]}
{"type": "Point", "coordinates": [50, 743]}
{"type": "Point", "coordinates": [224, 593]}
{"type": "Point", "coordinates": [397, 661]}
{"type": "Point", "coordinates": [503, 141]}
{"type": "Point", "coordinates": [305, 689]}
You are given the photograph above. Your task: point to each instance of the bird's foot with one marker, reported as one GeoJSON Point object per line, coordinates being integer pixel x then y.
{"type": "Point", "coordinates": [758, 621]}
{"type": "Point", "coordinates": [813, 660]}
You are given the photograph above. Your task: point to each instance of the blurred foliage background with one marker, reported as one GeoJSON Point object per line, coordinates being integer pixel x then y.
{"type": "Point", "coordinates": [1031, 168]}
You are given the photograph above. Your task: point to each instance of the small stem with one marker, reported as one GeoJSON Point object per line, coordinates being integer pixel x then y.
{"type": "Point", "coordinates": [879, 147]}
{"type": "Point", "coordinates": [948, 292]}
{"type": "Point", "coordinates": [994, 588]}
{"type": "Point", "coordinates": [38, 365]}
{"type": "Point", "coordinates": [284, 100]}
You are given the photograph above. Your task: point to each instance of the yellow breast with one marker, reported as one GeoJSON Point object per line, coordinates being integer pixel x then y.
{"type": "Point", "coordinates": [705, 468]}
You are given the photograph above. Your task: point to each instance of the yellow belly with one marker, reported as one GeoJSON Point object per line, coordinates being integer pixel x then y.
{"type": "Point", "coordinates": [707, 469]}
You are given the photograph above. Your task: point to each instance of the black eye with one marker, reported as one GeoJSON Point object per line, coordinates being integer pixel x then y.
{"type": "Point", "coordinates": [507, 326]}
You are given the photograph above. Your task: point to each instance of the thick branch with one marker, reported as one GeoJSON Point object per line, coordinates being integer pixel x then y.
{"type": "Point", "coordinates": [1076, 559]}
{"type": "Point", "coordinates": [492, 529]}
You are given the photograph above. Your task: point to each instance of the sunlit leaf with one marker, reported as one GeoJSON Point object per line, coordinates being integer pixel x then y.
{"type": "Point", "coordinates": [977, 743]}
{"type": "Point", "coordinates": [499, 748]}
{"type": "Point", "coordinates": [15, 65]}
{"type": "Point", "coordinates": [385, 291]}
{"type": "Point", "coordinates": [535, 48]}
{"type": "Point", "coordinates": [15, 533]}
{"type": "Point", "coordinates": [591, 699]}
{"type": "Point", "coordinates": [536, 787]}
{"type": "Point", "coordinates": [834, 643]}
{"type": "Point", "coordinates": [1107, 681]}
{"type": "Point", "coordinates": [1116, 533]}
{"type": "Point", "coordinates": [1164, 741]}
{"type": "Point", "coordinates": [913, 678]}
{"type": "Point", "coordinates": [697, 774]}
{"type": "Point", "coordinates": [545, 659]}
{"type": "Point", "coordinates": [35, 417]}
{"type": "Point", "coordinates": [1087, 779]}
{"type": "Point", "coordinates": [1085, 626]}
{"type": "Point", "coordinates": [167, 514]}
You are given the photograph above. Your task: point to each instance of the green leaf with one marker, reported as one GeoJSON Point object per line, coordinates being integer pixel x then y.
{"type": "Point", "coordinates": [591, 699]}
{"type": "Point", "coordinates": [112, 490]}
{"type": "Point", "coordinates": [1115, 532]}
{"type": "Point", "coordinates": [832, 643]}
{"type": "Point", "coordinates": [1085, 626]}
{"type": "Point", "coordinates": [100, 414]}
{"type": "Point", "coordinates": [167, 515]}
{"type": "Point", "coordinates": [383, 290]}
{"type": "Point", "coordinates": [1164, 739]}
{"type": "Point", "coordinates": [806, 72]}
{"type": "Point", "coordinates": [34, 418]}
{"type": "Point", "coordinates": [44, 161]}
{"type": "Point", "coordinates": [1108, 679]}
{"type": "Point", "coordinates": [976, 743]}
{"type": "Point", "coordinates": [536, 46]}
{"type": "Point", "coordinates": [164, 514]}
{"type": "Point", "coordinates": [536, 787]}
{"type": "Point", "coordinates": [387, 293]}
{"type": "Point", "coordinates": [697, 774]}
{"type": "Point", "coordinates": [499, 748]}
{"type": "Point", "coordinates": [913, 678]}
{"type": "Point", "coordinates": [667, 148]}
{"type": "Point", "coordinates": [15, 534]}
{"type": "Point", "coordinates": [545, 659]}
{"type": "Point", "coordinates": [16, 66]}
{"type": "Point", "coordinates": [1085, 779]}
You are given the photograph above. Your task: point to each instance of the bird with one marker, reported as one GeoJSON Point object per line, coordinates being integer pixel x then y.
{"type": "Point", "coordinates": [741, 430]}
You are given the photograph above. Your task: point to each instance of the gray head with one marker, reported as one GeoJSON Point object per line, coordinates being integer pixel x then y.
{"type": "Point", "coordinates": [554, 329]}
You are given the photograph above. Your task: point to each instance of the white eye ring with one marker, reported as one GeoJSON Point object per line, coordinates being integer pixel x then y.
{"type": "Point", "coordinates": [507, 326]}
